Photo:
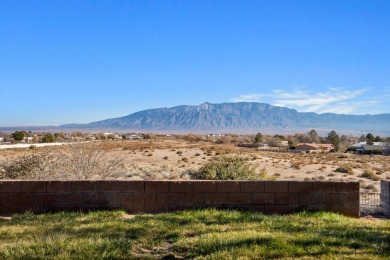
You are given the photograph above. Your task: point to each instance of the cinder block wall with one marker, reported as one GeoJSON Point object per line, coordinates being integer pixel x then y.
{"type": "Point", "coordinates": [158, 196]}
{"type": "Point", "coordinates": [385, 197]}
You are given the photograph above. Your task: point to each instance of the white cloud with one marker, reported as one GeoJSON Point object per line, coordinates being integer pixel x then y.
{"type": "Point", "coordinates": [333, 100]}
{"type": "Point", "coordinates": [247, 98]}
{"type": "Point", "coordinates": [320, 102]}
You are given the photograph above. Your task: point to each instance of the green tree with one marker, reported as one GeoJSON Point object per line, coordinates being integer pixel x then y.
{"type": "Point", "coordinates": [370, 138]}
{"type": "Point", "coordinates": [258, 138]}
{"type": "Point", "coordinates": [18, 135]}
{"type": "Point", "coordinates": [48, 138]}
{"type": "Point", "coordinates": [313, 136]}
{"type": "Point", "coordinates": [281, 137]}
{"type": "Point", "coordinates": [334, 139]}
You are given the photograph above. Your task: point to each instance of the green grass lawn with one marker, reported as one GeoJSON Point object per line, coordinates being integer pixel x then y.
{"type": "Point", "coordinates": [202, 234]}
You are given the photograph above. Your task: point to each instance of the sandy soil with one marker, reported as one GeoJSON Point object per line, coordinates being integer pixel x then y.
{"type": "Point", "coordinates": [175, 159]}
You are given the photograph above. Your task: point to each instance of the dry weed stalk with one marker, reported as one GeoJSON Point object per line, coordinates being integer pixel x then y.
{"type": "Point", "coordinates": [37, 166]}
{"type": "Point", "coordinates": [90, 160]}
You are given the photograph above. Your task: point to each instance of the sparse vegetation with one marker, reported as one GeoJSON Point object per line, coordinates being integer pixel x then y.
{"type": "Point", "coordinates": [370, 175]}
{"type": "Point", "coordinates": [48, 138]}
{"type": "Point", "coordinates": [228, 167]}
{"type": "Point", "coordinates": [78, 161]}
{"type": "Point", "coordinates": [169, 153]}
{"type": "Point", "coordinates": [41, 165]}
{"type": "Point", "coordinates": [345, 169]}
{"type": "Point", "coordinates": [296, 165]}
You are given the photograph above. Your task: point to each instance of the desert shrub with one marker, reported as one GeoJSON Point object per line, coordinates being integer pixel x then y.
{"type": "Point", "coordinates": [34, 166]}
{"type": "Point", "coordinates": [370, 175]}
{"type": "Point", "coordinates": [296, 165]}
{"type": "Point", "coordinates": [165, 157]}
{"type": "Point", "coordinates": [228, 167]}
{"type": "Point", "coordinates": [79, 161]}
{"type": "Point", "coordinates": [88, 160]}
{"type": "Point", "coordinates": [344, 169]}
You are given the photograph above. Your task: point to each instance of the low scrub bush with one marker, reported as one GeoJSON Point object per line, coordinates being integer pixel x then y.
{"type": "Point", "coordinates": [228, 167]}
{"type": "Point", "coordinates": [77, 161]}
{"type": "Point", "coordinates": [33, 166]}
{"type": "Point", "coordinates": [296, 165]}
{"type": "Point", "coordinates": [370, 175]}
{"type": "Point", "coordinates": [345, 169]}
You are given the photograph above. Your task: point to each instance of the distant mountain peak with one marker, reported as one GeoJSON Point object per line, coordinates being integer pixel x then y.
{"type": "Point", "coordinates": [243, 117]}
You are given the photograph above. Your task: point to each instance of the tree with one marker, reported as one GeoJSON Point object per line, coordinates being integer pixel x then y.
{"type": "Point", "coordinates": [18, 135]}
{"type": "Point", "coordinates": [344, 142]}
{"type": "Point", "coordinates": [48, 138]}
{"type": "Point", "coordinates": [370, 138]}
{"type": "Point", "coordinates": [334, 139]}
{"type": "Point", "coordinates": [313, 136]}
{"type": "Point", "coordinates": [258, 138]}
{"type": "Point", "coordinates": [280, 137]}
{"type": "Point", "coordinates": [89, 161]}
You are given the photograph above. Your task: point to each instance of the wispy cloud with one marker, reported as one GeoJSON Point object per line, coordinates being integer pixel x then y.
{"type": "Point", "coordinates": [247, 98]}
{"type": "Point", "coordinates": [333, 100]}
{"type": "Point", "coordinates": [318, 102]}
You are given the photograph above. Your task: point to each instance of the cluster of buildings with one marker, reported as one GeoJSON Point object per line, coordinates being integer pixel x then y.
{"type": "Point", "coordinates": [373, 148]}
{"type": "Point", "coordinates": [33, 138]}
{"type": "Point", "coordinates": [380, 148]}
{"type": "Point", "coordinates": [301, 147]}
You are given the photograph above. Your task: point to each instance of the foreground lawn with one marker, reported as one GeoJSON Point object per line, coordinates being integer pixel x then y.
{"type": "Point", "coordinates": [203, 234]}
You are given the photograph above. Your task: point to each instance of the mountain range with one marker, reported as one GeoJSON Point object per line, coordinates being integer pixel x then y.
{"type": "Point", "coordinates": [242, 117]}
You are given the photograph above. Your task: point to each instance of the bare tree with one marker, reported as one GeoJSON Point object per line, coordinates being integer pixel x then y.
{"type": "Point", "coordinates": [90, 160]}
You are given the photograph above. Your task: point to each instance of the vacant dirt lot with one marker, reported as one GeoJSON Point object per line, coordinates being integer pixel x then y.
{"type": "Point", "coordinates": [176, 159]}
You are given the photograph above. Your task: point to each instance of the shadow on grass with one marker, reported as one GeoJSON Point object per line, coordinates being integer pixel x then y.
{"type": "Point", "coordinates": [188, 234]}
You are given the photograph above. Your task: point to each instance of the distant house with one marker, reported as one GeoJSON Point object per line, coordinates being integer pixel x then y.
{"type": "Point", "coordinates": [134, 137]}
{"type": "Point", "coordinates": [1, 139]}
{"type": "Point", "coordinates": [263, 146]}
{"type": "Point", "coordinates": [281, 143]}
{"type": "Point", "coordinates": [373, 149]}
{"type": "Point", "coordinates": [314, 147]}
{"type": "Point", "coordinates": [359, 144]}
{"type": "Point", "coordinates": [27, 140]}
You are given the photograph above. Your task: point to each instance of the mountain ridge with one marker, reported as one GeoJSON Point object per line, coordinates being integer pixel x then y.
{"type": "Point", "coordinates": [243, 117]}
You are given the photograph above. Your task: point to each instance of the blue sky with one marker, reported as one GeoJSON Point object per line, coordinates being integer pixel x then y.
{"type": "Point", "coordinates": [82, 61]}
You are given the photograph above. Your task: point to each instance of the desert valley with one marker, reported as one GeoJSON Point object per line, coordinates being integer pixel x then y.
{"type": "Point", "coordinates": [177, 158]}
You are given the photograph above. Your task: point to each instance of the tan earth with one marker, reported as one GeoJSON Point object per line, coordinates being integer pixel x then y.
{"type": "Point", "coordinates": [176, 159]}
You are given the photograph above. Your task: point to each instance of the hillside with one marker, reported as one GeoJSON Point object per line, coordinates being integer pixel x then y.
{"type": "Point", "coordinates": [239, 117]}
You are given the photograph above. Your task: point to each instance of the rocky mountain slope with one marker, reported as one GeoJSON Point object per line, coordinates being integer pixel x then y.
{"type": "Point", "coordinates": [240, 117]}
